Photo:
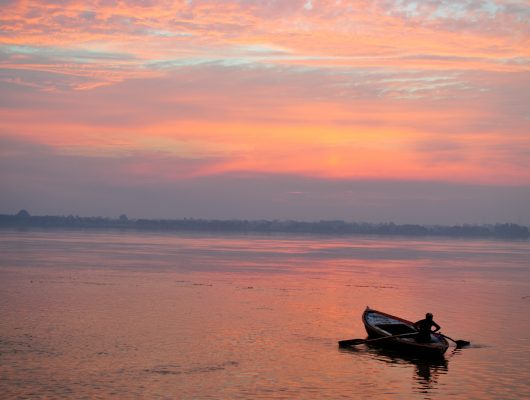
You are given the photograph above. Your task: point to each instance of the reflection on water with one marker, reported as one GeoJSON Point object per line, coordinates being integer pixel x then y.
{"type": "Point", "coordinates": [427, 372]}
{"type": "Point", "coordinates": [138, 315]}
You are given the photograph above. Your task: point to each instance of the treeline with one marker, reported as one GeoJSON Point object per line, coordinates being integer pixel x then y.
{"type": "Point", "coordinates": [506, 230]}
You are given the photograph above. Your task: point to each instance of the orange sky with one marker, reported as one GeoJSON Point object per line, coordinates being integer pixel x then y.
{"type": "Point", "coordinates": [329, 89]}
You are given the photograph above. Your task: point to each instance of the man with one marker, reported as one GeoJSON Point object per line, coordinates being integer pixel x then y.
{"type": "Point", "coordinates": [424, 327]}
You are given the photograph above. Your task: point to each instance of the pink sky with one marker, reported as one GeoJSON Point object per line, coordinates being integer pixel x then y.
{"type": "Point", "coordinates": [110, 107]}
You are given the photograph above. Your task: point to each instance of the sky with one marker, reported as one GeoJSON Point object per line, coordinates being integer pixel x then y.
{"type": "Point", "coordinates": [369, 110]}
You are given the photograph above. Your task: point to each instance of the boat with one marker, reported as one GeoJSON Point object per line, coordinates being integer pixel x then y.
{"type": "Point", "coordinates": [401, 334]}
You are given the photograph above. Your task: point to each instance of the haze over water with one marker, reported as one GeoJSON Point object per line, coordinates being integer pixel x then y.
{"type": "Point", "coordinates": [146, 315]}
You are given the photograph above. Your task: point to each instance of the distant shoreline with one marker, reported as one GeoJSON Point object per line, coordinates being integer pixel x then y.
{"type": "Point", "coordinates": [336, 227]}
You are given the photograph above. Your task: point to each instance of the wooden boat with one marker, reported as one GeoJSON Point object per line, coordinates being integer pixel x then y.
{"type": "Point", "coordinates": [379, 325]}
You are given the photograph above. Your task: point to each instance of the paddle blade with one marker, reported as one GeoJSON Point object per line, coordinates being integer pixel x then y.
{"type": "Point", "coordinates": [350, 342]}
{"type": "Point", "coordinates": [459, 343]}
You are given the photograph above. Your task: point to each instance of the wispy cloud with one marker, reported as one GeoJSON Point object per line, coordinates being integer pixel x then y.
{"type": "Point", "coordinates": [335, 89]}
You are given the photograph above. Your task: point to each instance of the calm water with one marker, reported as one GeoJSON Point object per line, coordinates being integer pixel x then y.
{"type": "Point", "coordinates": [146, 315]}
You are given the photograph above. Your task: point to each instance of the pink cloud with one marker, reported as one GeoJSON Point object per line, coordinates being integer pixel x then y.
{"type": "Point", "coordinates": [168, 91]}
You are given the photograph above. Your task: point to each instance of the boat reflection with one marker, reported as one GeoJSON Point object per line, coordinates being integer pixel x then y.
{"type": "Point", "coordinates": [427, 371]}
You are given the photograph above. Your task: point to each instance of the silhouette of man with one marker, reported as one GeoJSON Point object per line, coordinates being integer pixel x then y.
{"type": "Point", "coordinates": [424, 327]}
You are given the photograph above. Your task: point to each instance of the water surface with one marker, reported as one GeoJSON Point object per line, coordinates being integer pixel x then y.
{"type": "Point", "coordinates": [146, 315]}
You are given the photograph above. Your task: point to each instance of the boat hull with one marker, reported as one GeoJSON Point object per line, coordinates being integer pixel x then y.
{"type": "Point", "coordinates": [379, 324]}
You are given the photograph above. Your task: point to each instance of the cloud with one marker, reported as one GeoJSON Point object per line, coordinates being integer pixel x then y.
{"type": "Point", "coordinates": [29, 159]}
{"type": "Point", "coordinates": [159, 30]}
{"type": "Point", "coordinates": [167, 91]}
{"type": "Point", "coordinates": [82, 43]}
{"type": "Point", "coordinates": [47, 182]}
{"type": "Point", "coordinates": [269, 119]}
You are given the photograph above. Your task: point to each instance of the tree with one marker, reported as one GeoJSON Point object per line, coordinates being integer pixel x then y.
{"type": "Point", "coordinates": [23, 214]}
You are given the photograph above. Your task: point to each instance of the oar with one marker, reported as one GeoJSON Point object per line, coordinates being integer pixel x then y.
{"type": "Point", "coordinates": [459, 343]}
{"type": "Point", "coordinates": [355, 342]}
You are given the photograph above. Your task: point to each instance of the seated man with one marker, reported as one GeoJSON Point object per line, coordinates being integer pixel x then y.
{"type": "Point", "coordinates": [424, 327]}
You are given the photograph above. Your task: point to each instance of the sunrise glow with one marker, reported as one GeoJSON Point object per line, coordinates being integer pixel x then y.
{"type": "Point", "coordinates": [330, 89]}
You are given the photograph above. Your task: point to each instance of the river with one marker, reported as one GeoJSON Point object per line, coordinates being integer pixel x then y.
{"type": "Point", "coordinates": [102, 314]}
